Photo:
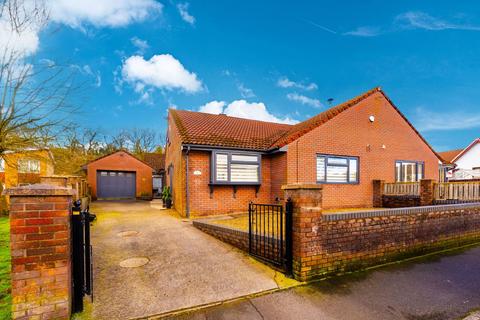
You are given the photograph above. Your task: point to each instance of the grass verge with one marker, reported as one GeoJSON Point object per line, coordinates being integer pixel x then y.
{"type": "Point", "coordinates": [5, 287]}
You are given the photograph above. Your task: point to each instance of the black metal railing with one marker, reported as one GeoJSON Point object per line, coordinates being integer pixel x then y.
{"type": "Point", "coordinates": [270, 233]}
{"type": "Point", "coordinates": [82, 264]}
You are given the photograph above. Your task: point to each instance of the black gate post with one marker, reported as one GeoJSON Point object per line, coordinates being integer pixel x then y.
{"type": "Point", "coordinates": [78, 263]}
{"type": "Point", "coordinates": [88, 254]}
{"type": "Point", "coordinates": [250, 227]}
{"type": "Point", "coordinates": [288, 236]}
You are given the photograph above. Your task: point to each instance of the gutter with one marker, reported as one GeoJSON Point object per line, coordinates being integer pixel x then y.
{"type": "Point", "coordinates": [187, 209]}
{"type": "Point", "coordinates": [202, 147]}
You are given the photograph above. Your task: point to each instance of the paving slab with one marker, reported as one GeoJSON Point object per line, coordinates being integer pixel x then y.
{"type": "Point", "coordinates": [185, 267]}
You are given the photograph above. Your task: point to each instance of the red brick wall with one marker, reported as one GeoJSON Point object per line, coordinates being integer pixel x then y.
{"type": "Point", "coordinates": [40, 249]}
{"type": "Point", "coordinates": [223, 200]}
{"type": "Point", "coordinates": [121, 161]}
{"type": "Point", "coordinates": [174, 157]}
{"type": "Point", "coordinates": [335, 243]}
{"type": "Point", "coordinates": [391, 236]}
{"type": "Point", "coordinates": [236, 238]}
{"type": "Point", "coordinates": [351, 133]}
{"type": "Point", "coordinates": [278, 170]}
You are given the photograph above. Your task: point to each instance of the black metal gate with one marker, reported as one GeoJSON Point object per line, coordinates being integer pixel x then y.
{"type": "Point", "coordinates": [270, 234]}
{"type": "Point", "coordinates": [82, 267]}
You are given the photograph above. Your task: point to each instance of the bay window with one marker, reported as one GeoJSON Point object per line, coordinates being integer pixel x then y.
{"type": "Point", "coordinates": [229, 167]}
{"type": "Point", "coordinates": [408, 171]}
{"type": "Point", "coordinates": [337, 169]}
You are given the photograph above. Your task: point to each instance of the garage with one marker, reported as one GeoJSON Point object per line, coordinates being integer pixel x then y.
{"type": "Point", "coordinates": [120, 175]}
{"type": "Point", "coordinates": [116, 185]}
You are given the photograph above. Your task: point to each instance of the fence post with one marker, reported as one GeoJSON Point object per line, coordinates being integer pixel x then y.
{"type": "Point", "coordinates": [378, 186]}
{"type": "Point", "coordinates": [427, 189]}
{"type": "Point", "coordinates": [307, 217]}
{"type": "Point", "coordinates": [40, 250]}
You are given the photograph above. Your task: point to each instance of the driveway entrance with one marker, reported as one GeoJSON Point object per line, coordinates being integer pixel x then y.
{"type": "Point", "coordinates": [148, 261]}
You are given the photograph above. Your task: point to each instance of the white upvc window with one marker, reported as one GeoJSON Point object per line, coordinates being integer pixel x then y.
{"type": "Point", "coordinates": [408, 171]}
{"type": "Point", "coordinates": [230, 167]}
{"type": "Point", "coordinates": [337, 169]}
{"type": "Point", "coordinates": [28, 166]}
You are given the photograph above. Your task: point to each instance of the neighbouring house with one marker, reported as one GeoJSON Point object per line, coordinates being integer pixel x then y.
{"type": "Point", "coordinates": [157, 162]}
{"type": "Point", "coordinates": [217, 164]}
{"type": "Point", "coordinates": [466, 162]}
{"type": "Point", "coordinates": [25, 167]}
{"type": "Point", "coordinates": [119, 175]}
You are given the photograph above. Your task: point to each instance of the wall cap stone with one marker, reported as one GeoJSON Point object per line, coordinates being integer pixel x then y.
{"type": "Point", "coordinates": [304, 186]}
{"type": "Point", "coordinates": [397, 211]}
{"type": "Point", "coordinates": [39, 190]}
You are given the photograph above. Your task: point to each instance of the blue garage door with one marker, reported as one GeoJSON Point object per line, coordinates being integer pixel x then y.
{"type": "Point", "coordinates": [115, 185]}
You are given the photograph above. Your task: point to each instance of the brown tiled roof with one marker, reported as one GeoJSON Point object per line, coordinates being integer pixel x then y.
{"type": "Point", "coordinates": [450, 155]}
{"type": "Point", "coordinates": [221, 130]}
{"type": "Point", "coordinates": [225, 131]}
{"type": "Point", "coordinates": [111, 153]}
{"type": "Point", "coordinates": [453, 155]}
{"type": "Point", "coordinates": [155, 160]}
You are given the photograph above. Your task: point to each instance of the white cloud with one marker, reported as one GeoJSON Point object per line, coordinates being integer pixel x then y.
{"type": "Point", "coordinates": [76, 14]}
{"type": "Point", "coordinates": [141, 45]}
{"type": "Point", "coordinates": [364, 32]}
{"type": "Point", "coordinates": [22, 43]}
{"type": "Point", "coordinates": [103, 13]}
{"type": "Point", "coordinates": [244, 91]}
{"type": "Point", "coordinates": [422, 20]}
{"type": "Point", "coordinates": [186, 16]}
{"type": "Point", "coordinates": [161, 71]}
{"type": "Point", "coordinates": [433, 121]}
{"type": "Point", "coordinates": [214, 107]}
{"type": "Point", "coordinates": [284, 82]}
{"type": "Point", "coordinates": [244, 109]}
{"type": "Point", "coordinates": [304, 100]}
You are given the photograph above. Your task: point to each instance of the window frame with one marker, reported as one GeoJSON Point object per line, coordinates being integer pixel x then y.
{"type": "Point", "coordinates": [416, 162]}
{"type": "Point", "coordinates": [229, 153]}
{"type": "Point", "coordinates": [336, 156]}
{"type": "Point", "coordinates": [29, 167]}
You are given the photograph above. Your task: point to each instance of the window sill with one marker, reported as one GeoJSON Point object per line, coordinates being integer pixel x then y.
{"type": "Point", "coordinates": [343, 183]}
{"type": "Point", "coordinates": [234, 185]}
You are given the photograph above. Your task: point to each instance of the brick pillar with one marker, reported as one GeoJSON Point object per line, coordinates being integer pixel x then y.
{"type": "Point", "coordinates": [427, 187]}
{"type": "Point", "coordinates": [378, 193]}
{"type": "Point", "coordinates": [307, 216]}
{"type": "Point", "coordinates": [40, 249]}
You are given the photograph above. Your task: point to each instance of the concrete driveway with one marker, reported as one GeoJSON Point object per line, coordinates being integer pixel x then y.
{"type": "Point", "coordinates": [185, 266]}
{"type": "Point", "coordinates": [438, 288]}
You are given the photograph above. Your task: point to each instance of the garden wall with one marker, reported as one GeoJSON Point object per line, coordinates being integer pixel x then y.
{"type": "Point", "coordinates": [400, 201]}
{"type": "Point", "coordinates": [352, 241]}
{"type": "Point", "coordinates": [236, 238]}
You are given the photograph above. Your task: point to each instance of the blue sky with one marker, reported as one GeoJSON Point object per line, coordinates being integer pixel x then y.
{"type": "Point", "coordinates": [270, 60]}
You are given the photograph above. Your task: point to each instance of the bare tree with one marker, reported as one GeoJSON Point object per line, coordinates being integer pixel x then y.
{"type": "Point", "coordinates": [142, 140]}
{"type": "Point", "coordinates": [33, 97]}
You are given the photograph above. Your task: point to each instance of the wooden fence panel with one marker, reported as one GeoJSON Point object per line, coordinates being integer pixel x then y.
{"type": "Point", "coordinates": [402, 188]}
{"type": "Point", "coordinates": [462, 191]}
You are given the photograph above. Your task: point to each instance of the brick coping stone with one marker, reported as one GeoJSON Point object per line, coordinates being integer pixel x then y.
{"type": "Point", "coordinates": [38, 190]}
{"type": "Point", "coordinates": [396, 211]}
{"type": "Point", "coordinates": [296, 186]}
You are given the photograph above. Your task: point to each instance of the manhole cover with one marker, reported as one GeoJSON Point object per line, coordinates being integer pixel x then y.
{"type": "Point", "coordinates": [130, 233]}
{"type": "Point", "coordinates": [134, 262]}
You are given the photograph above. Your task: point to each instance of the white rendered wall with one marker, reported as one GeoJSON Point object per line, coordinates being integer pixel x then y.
{"type": "Point", "coordinates": [470, 159]}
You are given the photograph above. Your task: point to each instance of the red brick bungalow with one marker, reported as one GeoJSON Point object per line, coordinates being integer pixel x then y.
{"type": "Point", "coordinates": [216, 164]}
